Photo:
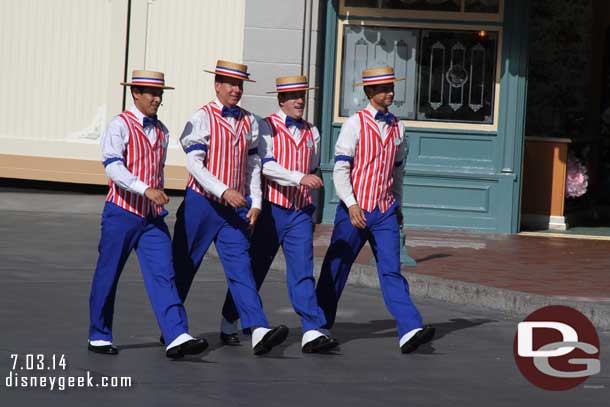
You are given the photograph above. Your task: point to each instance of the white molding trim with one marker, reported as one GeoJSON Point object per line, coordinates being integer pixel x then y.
{"type": "Point", "coordinates": [544, 221]}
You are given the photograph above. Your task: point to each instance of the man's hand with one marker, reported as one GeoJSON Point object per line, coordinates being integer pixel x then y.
{"type": "Point", "coordinates": [157, 196]}
{"type": "Point", "coordinates": [356, 215]}
{"type": "Point", "coordinates": [234, 198]}
{"type": "Point", "coordinates": [252, 216]}
{"type": "Point", "coordinates": [312, 181]}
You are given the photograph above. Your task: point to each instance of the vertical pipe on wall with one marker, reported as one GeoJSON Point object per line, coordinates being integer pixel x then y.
{"type": "Point", "coordinates": [306, 56]}
{"type": "Point", "coordinates": [125, 71]}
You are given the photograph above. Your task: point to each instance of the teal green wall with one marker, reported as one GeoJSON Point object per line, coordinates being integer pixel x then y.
{"type": "Point", "coordinates": [455, 179]}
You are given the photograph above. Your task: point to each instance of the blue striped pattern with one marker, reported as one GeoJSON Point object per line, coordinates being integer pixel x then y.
{"type": "Point", "coordinates": [196, 147]}
{"type": "Point", "coordinates": [344, 158]}
{"type": "Point", "coordinates": [109, 161]}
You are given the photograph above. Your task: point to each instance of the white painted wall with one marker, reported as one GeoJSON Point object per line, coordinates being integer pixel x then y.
{"type": "Point", "coordinates": [274, 46]}
{"type": "Point", "coordinates": [182, 39]}
{"type": "Point", "coordinates": [62, 62]}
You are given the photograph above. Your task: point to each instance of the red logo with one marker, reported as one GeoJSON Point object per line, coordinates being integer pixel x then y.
{"type": "Point", "coordinates": [556, 348]}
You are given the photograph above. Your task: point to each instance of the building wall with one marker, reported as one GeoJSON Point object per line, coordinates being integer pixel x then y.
{"type": "Point", "coordinates": [62, 63]}
{"type": "Point", "coordinates": [457, 178]}
{"type": "Point", "coordinates": [281, 37]}
{"type": "Point", "coordinates": [182, 39]}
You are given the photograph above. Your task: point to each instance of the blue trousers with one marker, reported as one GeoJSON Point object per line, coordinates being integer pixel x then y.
{"type": "Point", "coordinates": [200, 222]}
{"type": "Point", "coordinates": [382, 232]}
{"type": "Point", "coordinates": [293, 230]}
{"type": "Point", "coordinates": [123, 231]}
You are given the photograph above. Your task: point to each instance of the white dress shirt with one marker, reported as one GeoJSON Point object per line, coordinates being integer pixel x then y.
{"type": "Point", "coordinates": [197, 131]}
{"type": "Point", "coordinates": [275, 171]}
{"type": "Point", "coordinates": [115, 141]}
{"type": "Point", "coordinates": [346, 145]}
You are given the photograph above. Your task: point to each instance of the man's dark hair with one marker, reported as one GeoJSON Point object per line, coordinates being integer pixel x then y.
{"type": "Point", "coordinates": [369, 90]}
{"type": "Point", "coordinates": [136, 89]}
{"type": "Point", "coordinates": [281, 97]}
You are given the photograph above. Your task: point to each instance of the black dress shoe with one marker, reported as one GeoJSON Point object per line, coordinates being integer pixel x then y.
{"type": "Point", "coordinates": [191, 347]}
{"type": "Point", "coordinates": [320, 345]}
{"type": "Point", "coordinates": [230, 339]}
{"type": "Point", "coordinates": [421, 337]}
{"type": "Point", "coordinates": [272, 338]}
{"type": "Point", "coordinates": [104, 349]}
{"type": "Point", "coordinates": [162, 340]}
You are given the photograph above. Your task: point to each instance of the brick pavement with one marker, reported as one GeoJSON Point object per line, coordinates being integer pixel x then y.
{"type": "Point", "coordinates": [572, 269]}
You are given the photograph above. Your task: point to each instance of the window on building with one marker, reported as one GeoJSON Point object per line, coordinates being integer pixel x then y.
{"type": "Point", "coordinates": [450, 69]}
{"type": "Point", "coordinates": [365, 47]}
{"type": "Point", "coordinates": [482, 6]}
{"type": "Point", "coordinates": [468, 6]}
{"type": "Point", "coordinates": [456, 76]}
{"type": "Point", "coordinates": [436, 5]}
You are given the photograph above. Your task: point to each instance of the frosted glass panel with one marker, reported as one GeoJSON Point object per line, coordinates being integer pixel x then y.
{"type": "Point", "coordinates": [370, 47]}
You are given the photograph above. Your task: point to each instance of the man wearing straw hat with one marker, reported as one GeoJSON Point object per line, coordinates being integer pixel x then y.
{"type": "Point", "coordinates": [370, 156]}
{"type": "Point", "coordinates": [223, 201]}
{"type": "Point", "coordinates": [290, 147]}
{"type": "Point", "coordinates": [134, 147]}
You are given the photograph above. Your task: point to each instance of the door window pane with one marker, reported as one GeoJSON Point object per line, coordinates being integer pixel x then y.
{"type": "Point", "coordinates": [434, 5]}
{"type": "Point", "coordinates": [482, 6]}
{"type": "Point", "coordinates": [457, 76]}
{"type": "Point", "coordinates": [363, 3]}
{"type": "Point", "coordinates": [369, 47]}
{"type": "Point", "coordinates": [450, 75]}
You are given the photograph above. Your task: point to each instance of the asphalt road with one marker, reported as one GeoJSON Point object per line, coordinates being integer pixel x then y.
{"type": "Point", "coordinates": [47, 261]}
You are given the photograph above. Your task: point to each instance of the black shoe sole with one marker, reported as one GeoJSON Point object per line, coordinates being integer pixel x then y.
{"type": "Point", "coordinates": [104, 350]}
{"type": "Point", "coordinates": [272, 338]}
{"type": "Point", "coordinates": [320, 347]}
{"type": "Point", "coordinates": [187, 348]}
{"type": "Point", "coordinates": [230, 339]}
{"type": "Point", "coordinates": [423, 336]}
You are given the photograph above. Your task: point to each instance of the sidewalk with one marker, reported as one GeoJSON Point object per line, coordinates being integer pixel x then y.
{"type": "Point", "coordinates": [511, 273]}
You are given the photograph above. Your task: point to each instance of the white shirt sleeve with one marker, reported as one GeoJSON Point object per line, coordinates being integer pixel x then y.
{"type": "Point", "coordinates": [398, 172]}
{"type": "Point", "coordinates": [345, 148]}
{"type": "Point", "coordinates": [253, 167]}
{"type": "Point", "coordinates": [271, 169]}
{"type": "Point", "coordinates": [114, 142]}
{"type": "Point", "coordinates": [195, 141]}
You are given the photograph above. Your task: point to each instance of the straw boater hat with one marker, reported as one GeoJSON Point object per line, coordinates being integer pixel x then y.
{"type": "Point", "coordinates": [231, 69]}
{"type": "Point", "coordinates": [377, 76]}
{"type": "Point", "coordinates": [291, 84]}
{"type": "Point", "coordinates": [147, 78]}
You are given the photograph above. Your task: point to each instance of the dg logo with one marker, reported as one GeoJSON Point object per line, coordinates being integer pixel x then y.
{"type": "Point", "coordinates": [557, 348]}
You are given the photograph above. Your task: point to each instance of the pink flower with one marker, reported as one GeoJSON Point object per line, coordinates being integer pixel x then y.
{"type": "Point", "coordinates": [577, 179]}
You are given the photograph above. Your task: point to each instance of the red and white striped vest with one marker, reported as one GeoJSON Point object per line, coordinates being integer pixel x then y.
{"type": "Point", "coordinates": [371, 173]}
{"type": "Point", "coordinates": [293, 157]}
{"type": "Point", "coordinates": [227, 154]}
{"type": "Point", "coordinates": [144, 161]}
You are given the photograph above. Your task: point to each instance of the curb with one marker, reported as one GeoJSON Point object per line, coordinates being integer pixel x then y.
{"type": "Point", "coordinates": [516, 303]}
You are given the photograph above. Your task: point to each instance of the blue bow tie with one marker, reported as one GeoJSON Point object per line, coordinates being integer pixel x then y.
{"type": "Point", "coordinates": [385, 117]}
{"type": "Point", "coordinates": [150, 121]}
{"type": "Point", "coordinates": [294, 122]}
{"type": "Point", "coordinates": [234, 111]}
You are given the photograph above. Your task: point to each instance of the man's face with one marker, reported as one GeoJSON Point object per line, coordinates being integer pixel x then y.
{"type": "Point", "coordinates": [229, 90]}
{"type": "Point", "coordinates": [292, 103]}
{"type": "Point", "coordinates": [381, 95]}
{"type": "Point", "coordinates": [147, 99]}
